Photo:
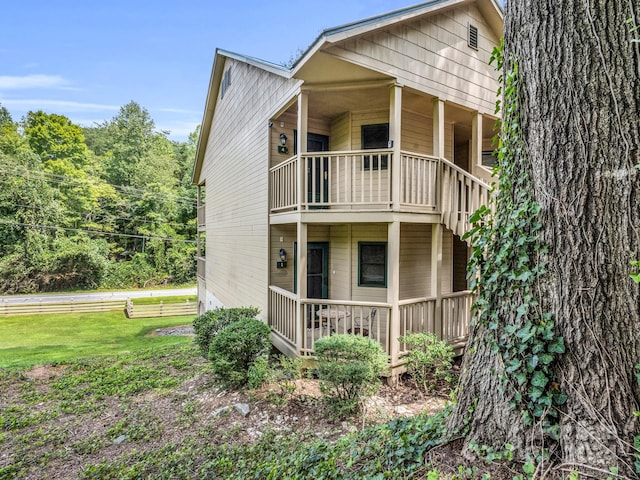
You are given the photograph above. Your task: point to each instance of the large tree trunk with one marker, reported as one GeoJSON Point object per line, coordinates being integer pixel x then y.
{"type": "Point", "coordinates": [578, 108]}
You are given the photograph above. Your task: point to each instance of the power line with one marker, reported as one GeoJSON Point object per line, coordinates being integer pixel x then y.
{"type": "Point", "coordinates": [62, 179]}
{"type": "Point", "coordinates": [98, 232]}
{"type": "Point", "coordinates": [107, 215]}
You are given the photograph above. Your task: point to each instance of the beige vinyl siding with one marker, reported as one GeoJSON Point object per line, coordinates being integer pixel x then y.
{"type": "Point", "coordinates": [446, 274]}
{"type": "Point", "coordinates": [340, 262]}
{"type": "Point", "coordinates": [417, 132]}
{"type": "Point", "coordinates": [366, 233]}
{"type": "Point", "coordinates": [432, 55]}
{"type": "Point", "coordinates": [282, 236]}
{"type": "Point", "coordinates": [235, 170]}
{"type": "Point", "coordinates": [415, 260]}
{"type": "Point", "coordinates": [341, 132]}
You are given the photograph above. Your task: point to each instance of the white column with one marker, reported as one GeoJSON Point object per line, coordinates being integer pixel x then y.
{"type": "Point", "coordinates": [476, 142]}
{"type": "Point", "coordinates": [395, 135]}
{"type": "Point", "coordinates": [301, 283]}
{"type": "Point", "coordinates": [303, 122]}
{"type": "Point", "coordinates": [393, 288]}
{"type": "Point", "coordinates": [438, 128]}
{"type": "Point", "coordinates": [436, 272]}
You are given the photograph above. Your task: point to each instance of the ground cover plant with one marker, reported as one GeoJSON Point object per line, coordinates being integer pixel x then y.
{"type": "Point", "coordinates": [34, 339]}
{"type": "Point", "coordinates": [158, 413]}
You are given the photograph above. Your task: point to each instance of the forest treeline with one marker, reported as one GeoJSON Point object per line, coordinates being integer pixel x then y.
{"type": "Point", "coordinates": [110, 205]}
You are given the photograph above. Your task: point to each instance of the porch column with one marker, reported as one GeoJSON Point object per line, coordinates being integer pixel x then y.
{"type": "Point", "coordinates": [395, 130]}
{"type": "Point", "coordinates": [438, 128]}
{"type": "Point", "coordinates": [301, 283]}
{"type": "Point", "coordinates": [438, 149]}
{"type": "Point", "coordinates": [476, 142]}
{"type": "Point", "coordinates": [436, 273]}
{"type": "Point", "coordinates": [303, 122]}
{"type": "Point", "coordinates": [393, 288]}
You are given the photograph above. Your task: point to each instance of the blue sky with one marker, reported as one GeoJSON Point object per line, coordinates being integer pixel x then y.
{"type": "Point", "coordinates": [85, 59]}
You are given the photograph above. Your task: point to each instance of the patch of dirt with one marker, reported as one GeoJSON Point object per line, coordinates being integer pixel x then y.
{"type": "Point", "coordinates": [41, 372]}
{"type": "Point", "coordinates": [184, 330]}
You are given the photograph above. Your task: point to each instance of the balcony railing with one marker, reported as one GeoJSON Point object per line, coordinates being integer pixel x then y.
{"type": "Point", "coordinates": [302, 322]}
{"type": "Point", "coordinates": [201, 215]}
{"type": "Point", "coordinates": [201, 267]}
{"type": "Point", "coordinates": [361, 180]}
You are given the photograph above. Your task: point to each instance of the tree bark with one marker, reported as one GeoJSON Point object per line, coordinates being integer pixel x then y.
{"type": "Point", "coordinates": [579, 112]}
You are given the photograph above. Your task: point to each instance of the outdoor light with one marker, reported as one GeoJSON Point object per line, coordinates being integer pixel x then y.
{"type": "Point", "coordinates": [283, 259]}
{"type": "Point", "coordinates": [282, 148]}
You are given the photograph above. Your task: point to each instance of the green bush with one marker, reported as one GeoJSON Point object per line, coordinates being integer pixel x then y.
{"type": "Point", "coordinates": [211, 322]}
{"type": "Point", "coordinates": [236, 348]}
{"type": "Point", "coordinates": [429, 360]}
{"type": "Point", "coordinates": [349, 367]}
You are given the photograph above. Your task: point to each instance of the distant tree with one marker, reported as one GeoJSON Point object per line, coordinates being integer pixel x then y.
{"type": "Point", "coordinates": [55, 137]}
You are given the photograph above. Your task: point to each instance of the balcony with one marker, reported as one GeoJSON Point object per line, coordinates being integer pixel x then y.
{"type": "Point", "coordinates": [201, 216]}
{"type": "Point", "coordinates": [201, 267]}
{"type": "Point", "coordinates": [364, 179]}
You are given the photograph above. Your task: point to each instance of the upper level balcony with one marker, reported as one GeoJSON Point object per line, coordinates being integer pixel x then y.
{"type": "Point", "coordinates": [365, 180]}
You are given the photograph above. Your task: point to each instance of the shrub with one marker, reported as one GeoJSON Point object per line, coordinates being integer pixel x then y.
{"type": "Point", "coordinates": [236, 348]}
{"type": "Point", "coordinates": [211, 322]}
{"type": "Point", "coordinates": [429, 360]}
{"type": "Point", "coordinates": [349, 367]}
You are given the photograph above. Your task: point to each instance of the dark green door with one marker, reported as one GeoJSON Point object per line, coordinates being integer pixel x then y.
{"type": "Point", "coordinates": [318, 270]}
{"type": "Point", "coordinates": [317, 169]}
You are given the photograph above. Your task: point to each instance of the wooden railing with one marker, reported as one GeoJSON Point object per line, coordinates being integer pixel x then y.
{"type": "Point", "coordinates": [201, 215]}
{"type": "Point", "coordinates": [284, 185]}
{"type": "Point", "coordinates": [448, 318]}
{"type": "Point", "coordinates": [456, 316]}
{"type": "Point", "coordinates": [201, 264]}
{"type": "Point", "coordinates": [462, 194]}
{"type": "Point", "coordinates": [352, 179]}
{"type": "Point", "coordinates": [419, 176]}
{"type": "Point", "coordinates": [161, 309]}
{"type": "Point", "coordinates": [362, 180]}
{"type": "Point", "coordinates": [42, 307]}
{"type": "Point", "coordinates": [452, 324]}
{"type": "Point", "coordinates": [282, 313]}
{"type": "Point", "coordinates": [321, 318]}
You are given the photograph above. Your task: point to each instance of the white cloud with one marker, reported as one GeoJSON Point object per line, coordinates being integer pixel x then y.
{"type": "Point", "coordinates": [41, 104]}
{"type": "Point", "coordinates": [8, 82]}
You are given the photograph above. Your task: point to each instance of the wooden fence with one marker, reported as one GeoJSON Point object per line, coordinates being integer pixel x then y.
{"type": "Point", "coordinates": [161, 309]}
{"type": "Point", "coordinates": [42, 307]}
{"type": "Point", "coordinates": [74, 306]}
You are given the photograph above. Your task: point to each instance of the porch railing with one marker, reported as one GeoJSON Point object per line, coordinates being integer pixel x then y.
{"type": "Point", "coordinates": [353, 179]}
{"type": "Point", "coordinates": [419, 176]}
{"type": "Point", "coordinates": [302, 322]}
{"type": "Point", "coordinates": [201, 215]}
{"type": "Point", "coordinates": [462, 194]}
{"type": "Point", "coordinates": [362, 180]}
{"type": "Point", "coordinates": [201, 264]}
{"type": "Point", "coordinates": [282, 179]}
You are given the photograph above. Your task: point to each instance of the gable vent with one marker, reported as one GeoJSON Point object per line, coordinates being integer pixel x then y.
{"type": "Point", "coordinates": [472, 39]}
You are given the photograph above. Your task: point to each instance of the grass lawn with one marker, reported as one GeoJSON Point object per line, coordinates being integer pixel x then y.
{"type": "Point", "coordinates": [36, 339]}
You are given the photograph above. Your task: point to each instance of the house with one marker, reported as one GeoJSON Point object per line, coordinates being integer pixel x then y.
{"type": "Point", "coordinates": [333, 195]}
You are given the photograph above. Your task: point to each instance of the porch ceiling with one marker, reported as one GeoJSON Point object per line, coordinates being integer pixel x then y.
{"type": "Point", "coordinates": [326, 68]}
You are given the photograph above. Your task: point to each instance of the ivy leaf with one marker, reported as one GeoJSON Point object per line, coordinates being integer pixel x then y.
{"type": "Point", "coordinates": [557, 346]}
{"type": "Point", "coordinates": [520, 377]}
{"type": "Point", "coordinates": [539, 379]}
{"type": "Point", "coordinates": [513, 365]}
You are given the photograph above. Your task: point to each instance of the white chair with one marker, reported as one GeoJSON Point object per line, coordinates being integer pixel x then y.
{"type": "Point", "coordinates": [364, 325]}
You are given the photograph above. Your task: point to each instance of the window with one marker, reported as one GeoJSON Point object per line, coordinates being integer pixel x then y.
{"type": "Point", "coordinates": [375, 137]}
{"type": "Point", "coordinates": [489, 159]}
{"type": "Point", "coordinates": [372, 264]}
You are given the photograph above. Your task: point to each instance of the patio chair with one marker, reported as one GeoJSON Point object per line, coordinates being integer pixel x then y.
{"type": "Point", "coordinates": [364, 325]}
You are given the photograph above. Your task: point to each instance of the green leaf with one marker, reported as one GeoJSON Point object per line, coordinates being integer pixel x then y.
{"type": "Point", "coordinates": [539, 379]}
{"type": "Point", "coordinates": [557, 346]}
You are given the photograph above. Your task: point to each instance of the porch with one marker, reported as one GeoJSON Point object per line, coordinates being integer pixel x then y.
{"type": "Point", "coordinates": [364, 180]}
{"type": "Point", "coordinates": [297, 326]}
